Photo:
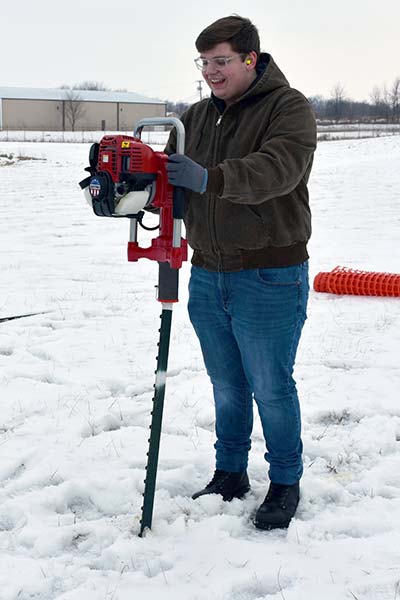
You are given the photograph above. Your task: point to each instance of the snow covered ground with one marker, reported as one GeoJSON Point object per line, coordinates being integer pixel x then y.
{"type": "Point", "coordinates": [326, 132]}
{"type": "Point", "coordinates": [153, 137]}
{"type": "Point", "coordinates": [76, 388]}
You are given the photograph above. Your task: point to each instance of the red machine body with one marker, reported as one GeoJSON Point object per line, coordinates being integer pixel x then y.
{"type": "Point", "coordinates": [124, 156]}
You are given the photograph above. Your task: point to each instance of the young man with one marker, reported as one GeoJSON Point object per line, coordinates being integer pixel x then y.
{"type": "Point", "coordinates": [249, 152]}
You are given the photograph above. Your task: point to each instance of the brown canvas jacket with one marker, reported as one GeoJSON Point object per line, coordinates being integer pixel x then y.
{"type": "Point", "coordinates": [258, 151]}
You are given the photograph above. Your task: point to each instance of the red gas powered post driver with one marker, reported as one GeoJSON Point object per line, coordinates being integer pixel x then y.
{"type": "Point", "coordinates": [127, 176]}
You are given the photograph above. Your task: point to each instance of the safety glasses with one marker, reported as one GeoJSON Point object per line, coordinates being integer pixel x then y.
{"type": "Point", "coordinates": [220, 62]}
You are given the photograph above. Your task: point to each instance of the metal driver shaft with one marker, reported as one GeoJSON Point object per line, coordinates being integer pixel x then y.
{"type": "Point", "coordinates": [156, 420]}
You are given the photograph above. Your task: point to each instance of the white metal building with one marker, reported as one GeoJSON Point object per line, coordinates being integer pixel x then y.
{"type": "Point", "coordinates": [38, 109]}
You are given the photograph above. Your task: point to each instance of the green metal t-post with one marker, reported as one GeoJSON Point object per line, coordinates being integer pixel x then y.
{"type": "Point", "coordinates": [156, 420]}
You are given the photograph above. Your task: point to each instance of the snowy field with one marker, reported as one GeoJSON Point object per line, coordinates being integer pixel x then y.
{"type": "Point", "coordinates": [76, 388]}
{"type": "Point", "coordinates": [154, 137]}
{"type": "Point", "coordinates": [326, 132]}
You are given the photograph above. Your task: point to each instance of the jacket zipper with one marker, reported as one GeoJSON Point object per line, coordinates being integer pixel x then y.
{"type": "Point", "coordinates": [212, 205]}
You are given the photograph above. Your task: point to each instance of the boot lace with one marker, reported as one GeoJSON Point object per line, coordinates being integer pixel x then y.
{"type": "Point", "coordinates": [218, 478]}
{"type": "Point", "coordinates": [278, 493]}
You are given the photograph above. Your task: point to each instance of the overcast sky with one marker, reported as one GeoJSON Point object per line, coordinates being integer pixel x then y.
{"type": "Point", "coordinates": [147, 46]}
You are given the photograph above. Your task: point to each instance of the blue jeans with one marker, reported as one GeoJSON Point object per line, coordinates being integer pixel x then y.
{"type": "Point", "coordinates": [249, 325]}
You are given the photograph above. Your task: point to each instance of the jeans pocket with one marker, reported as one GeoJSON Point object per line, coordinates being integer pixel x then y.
{"type": "Point", "coordinates": [280, 275]}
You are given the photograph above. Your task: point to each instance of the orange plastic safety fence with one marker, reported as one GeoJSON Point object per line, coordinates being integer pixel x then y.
{"type": "Point", "coordinates": [342, 280]}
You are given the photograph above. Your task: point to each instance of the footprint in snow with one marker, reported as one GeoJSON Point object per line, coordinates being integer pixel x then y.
{"type": "Point", "coordinates": [6, 350]}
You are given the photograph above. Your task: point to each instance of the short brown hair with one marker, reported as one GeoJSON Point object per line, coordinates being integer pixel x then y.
{"type": "Point", "coordinates": [238, 31]}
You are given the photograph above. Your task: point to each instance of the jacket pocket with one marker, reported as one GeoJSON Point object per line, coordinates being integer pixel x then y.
{"type": "Point", "coordinates": [257, 214]}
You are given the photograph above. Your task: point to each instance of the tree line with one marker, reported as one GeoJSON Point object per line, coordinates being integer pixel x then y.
{"type": "Point", "coordinates": [383, 105]}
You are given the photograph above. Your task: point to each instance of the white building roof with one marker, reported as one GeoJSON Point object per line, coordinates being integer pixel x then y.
{"type": "Point", "coordinates": [21, 93]}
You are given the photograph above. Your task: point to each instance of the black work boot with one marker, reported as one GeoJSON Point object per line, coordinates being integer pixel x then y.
{"type": "Point", "coordinates": [229, 485]}
{"type": "Point", "coordinates": [278, 507]}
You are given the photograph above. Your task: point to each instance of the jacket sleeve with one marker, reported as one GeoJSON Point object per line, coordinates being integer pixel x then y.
{"type": "Point", "coordinates": [283, 159]}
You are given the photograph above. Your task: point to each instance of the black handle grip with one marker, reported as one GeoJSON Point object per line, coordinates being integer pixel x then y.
{"type": "Point", "coordinates": [179, 202]}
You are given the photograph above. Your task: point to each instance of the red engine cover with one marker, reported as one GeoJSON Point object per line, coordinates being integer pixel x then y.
{"type": "Point", "coordinates": [125, 154]}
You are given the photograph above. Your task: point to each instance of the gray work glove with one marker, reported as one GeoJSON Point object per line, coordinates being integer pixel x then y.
{"type": "Point", "coordinates": [185, 172]}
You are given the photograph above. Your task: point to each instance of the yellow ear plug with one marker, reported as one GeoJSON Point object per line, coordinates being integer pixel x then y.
{"type": "Point", "coordinates": [248, 61]}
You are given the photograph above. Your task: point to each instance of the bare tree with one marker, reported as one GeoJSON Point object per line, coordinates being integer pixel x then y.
{"type": "Point", "coordinates": [338, 98]}
{"type": "Point", "coordinates": [91, 85]}
{"type": "Point", "coordinates": [386, 102]}
{"type": "Point", "coordinates": [376, 102]}
{"type": "Point", "coordinates": [394, 95]}
{"type": "Point", "coordinates": [74, 107]}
